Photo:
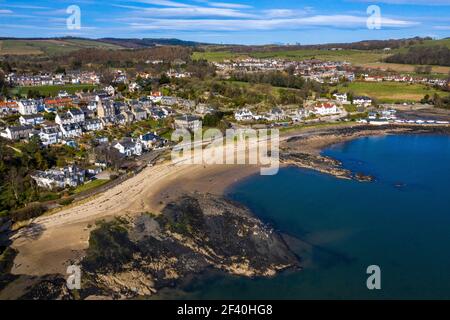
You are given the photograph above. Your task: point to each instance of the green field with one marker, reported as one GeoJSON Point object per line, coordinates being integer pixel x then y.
{"type": "Point", "coordinates": [52, 90]}
{"type": "Point", "coordinates": [49, 47]}
{"type": "Point", "coordinates": [390, 92]}
{"type": "Point", "coordinates": [364, 58]}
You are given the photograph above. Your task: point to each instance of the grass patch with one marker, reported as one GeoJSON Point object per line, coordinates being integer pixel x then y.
{"type": "Point", "coordinates": [390, 92]}
{"type": "Point", "coordinates": [90, 185]}
{"type": "Point", "coordinates": [53, 90]}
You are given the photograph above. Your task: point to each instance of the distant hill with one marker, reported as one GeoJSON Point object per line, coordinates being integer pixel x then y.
{"type": "Point", "coordinates": [149, 42]}
{"type": "Point", "coordinates": [57, 46]}
{"type": "Point", "coordinates": [49, 46]}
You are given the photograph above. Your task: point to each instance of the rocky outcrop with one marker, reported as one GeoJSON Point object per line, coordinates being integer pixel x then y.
{"type": "Point", "coordinates": [322, 164]}
{"type": "Point", "coordinates": [137, 257]}
{"type": "Point", "coordinates": [131, 257]}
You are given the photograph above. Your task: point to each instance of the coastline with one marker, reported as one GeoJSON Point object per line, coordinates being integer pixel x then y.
{"type": "Point", "coordinates": [51, 243]}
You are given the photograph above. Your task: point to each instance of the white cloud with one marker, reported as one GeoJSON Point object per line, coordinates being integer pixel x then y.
{"type": "Point", "coordinates": [225, 4]}
{"type": "Point", "coordinates": [191, 12]}
{"type": "Point", "coordinates": [336, 21]}
{"type": "Point", "coordinates": [411, 2]}
{"type": "Point", "coordinates": [163, 3]}
{"type": "Point", "coordinates": [441, 27]}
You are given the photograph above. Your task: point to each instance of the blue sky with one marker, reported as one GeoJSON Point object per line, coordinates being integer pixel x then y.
{"type": "Point", "coordinates": [228, 21]}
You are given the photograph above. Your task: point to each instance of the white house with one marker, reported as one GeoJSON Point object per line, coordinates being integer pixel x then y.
{"type": "Point", "coordinates": [70, 176]}
{"type": "Point", "coordinates": [27, 107]}
{"type": "Point", "coordinates": [129, 147]}
{"type": "Point", "coordinates": [77, 115]}
{"type": "Point", "coordinates": [92, 125]}
{"type": "Point", "coordinates": [243, 115]}
{"type": "Point", "coordinates": [72, 130]}
{"type": "Point", "coordinates": [188, 122]}
{"type": "Point", "coordinates": [17, 132]}
{"type": "Point", "coordinates": [63, 119]}
{"type": "Point", "coordinates": [50, 135]}
{"type": "Point", "coordinates": [31, 120]}
{"type": "Point", "coordinates": [341, 97]}
{"type": "Point", "coordinates": [362, 101]}
{"type": "Point", "coordinates": [324, 109]}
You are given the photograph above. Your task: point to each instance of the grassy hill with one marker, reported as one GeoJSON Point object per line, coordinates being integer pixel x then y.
{"type": "Point", "coordinates": [49, 47]}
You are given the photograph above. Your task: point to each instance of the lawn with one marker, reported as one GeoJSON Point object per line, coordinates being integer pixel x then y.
{"type": "Point", "coordinates": [389, 92]}
{"type": "Point", "coordinates": [90, 185]}
{"type": "Point", "coordinates": [53, 90]}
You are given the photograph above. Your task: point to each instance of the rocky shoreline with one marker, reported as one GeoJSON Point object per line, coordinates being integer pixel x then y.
{"type": "Point", "coordinates": [136, 257]}
{"type": "Point", "coordinates": [304, 151]}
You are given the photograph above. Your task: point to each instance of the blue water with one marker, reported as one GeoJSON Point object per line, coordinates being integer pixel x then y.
{"type": "Point", "coordinates": [400, 222]}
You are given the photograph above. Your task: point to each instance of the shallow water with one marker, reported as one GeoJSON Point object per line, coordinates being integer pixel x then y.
{"type": "Point", "coordinates": [400, 222]}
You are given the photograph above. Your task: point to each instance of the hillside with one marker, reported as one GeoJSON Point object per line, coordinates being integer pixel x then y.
{"type": "Point", "coordinates": [58, 46]}
{"type": "Point", "coordinates": [49, 47]}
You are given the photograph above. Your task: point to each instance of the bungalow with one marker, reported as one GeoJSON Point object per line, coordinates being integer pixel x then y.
{"type": "Point", "coordinates": [31, 120]}
{"type": "Point", "coordinates": [70, 176]}
{"type": "Point", "coordinates": [129, 147]}
{"type": "Point", "coordinates": [188, 122]}
{"type": "Point", "coordinates": [17, 132]}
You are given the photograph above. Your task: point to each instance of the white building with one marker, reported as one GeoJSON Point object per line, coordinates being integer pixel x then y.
{"type": "Point", "coordinates": [341, 97]}
{"type": "Point", "coordinates": [92, 125]}
{"type": "Point", "coordinates": [362, 101]}
{"type": "Point", "coordinates": [31, 120]}
{"type": "Point", "coordinates": [27, 107]}
{"type": "Point", "coordinates": [129, 147]}
{"type": "Point", "coordinates": [17, 132]}
{"type": "Point", "coordinates": [72, 130]}
{"type": "Point", "coordinates": [188, 122]}
{"type": "Point", "coordinates": [50, 135]}
{"type": "Point", "coordinates": [70, 176]}
{"type": "Point", "coordinates": [77, 115]}
{"type": "Point", "coordinates": [243, 115]}
{"type": "Point", "coordinates": [324, 109]}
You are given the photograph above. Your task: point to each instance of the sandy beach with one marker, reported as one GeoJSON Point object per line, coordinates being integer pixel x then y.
{"type": "Point", "coordinates": [53, 242]}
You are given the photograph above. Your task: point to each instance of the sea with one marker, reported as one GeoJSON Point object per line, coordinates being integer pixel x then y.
{"type": "Point", "coordinates": [399, 224]}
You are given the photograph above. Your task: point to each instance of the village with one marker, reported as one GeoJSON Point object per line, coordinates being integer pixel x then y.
{"type": "Point", "coordinates": [72, 119]}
